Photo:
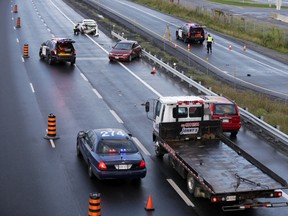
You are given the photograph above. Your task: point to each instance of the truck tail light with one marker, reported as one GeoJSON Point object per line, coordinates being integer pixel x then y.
{"type": "Point", "coordinates": [277, 194]}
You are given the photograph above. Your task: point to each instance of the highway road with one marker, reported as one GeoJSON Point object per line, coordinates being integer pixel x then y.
{"type": "Point", "coordinates": [229, 60]}
{"type": "Point", "coordinates": [39, 176]}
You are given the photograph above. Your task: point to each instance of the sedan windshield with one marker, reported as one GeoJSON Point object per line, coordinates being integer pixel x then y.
{"type": "Point", "coordinates": [123, 46]}
{"type": "Point", "coordinates": [116, 146]}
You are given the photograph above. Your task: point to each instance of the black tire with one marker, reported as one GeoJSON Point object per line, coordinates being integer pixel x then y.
{"type": "Point", "coordinates": [185, 39]}
{"type": "Point", "coordinates": [72, 63]}
{"type": "Point", "coordinates": [79, 154]}
{"type": "Point", "coordinates": [177, 36]}
{"type": "Point", "coordinates": [90, 172]}
{"type": "Point", "coordinates": [158, 150]}
{"type": "Point", "coordinates": [40, 55]}
{"type": "Point", "coordinates": [191, 184]}
{"type": "Point", "coordinates": [50, 61]}
{"type": "Point", "coordinates": [130, 58]}
{"type": "Point", "coordinates": [234, 133]}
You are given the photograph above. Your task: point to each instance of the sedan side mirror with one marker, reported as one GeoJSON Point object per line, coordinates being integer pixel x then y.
{"type": "Point", "coordinates": [147, 106]}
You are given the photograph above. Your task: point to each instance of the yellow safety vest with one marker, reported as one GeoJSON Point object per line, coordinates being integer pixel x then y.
{"type": "Point", "coordinates": [209, 39]}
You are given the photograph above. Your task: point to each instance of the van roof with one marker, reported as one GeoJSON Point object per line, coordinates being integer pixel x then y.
{"type": "Point", "coordinates": [218, 99]}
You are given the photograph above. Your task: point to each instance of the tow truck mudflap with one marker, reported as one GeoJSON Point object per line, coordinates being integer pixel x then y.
{"type": "Point", "coordinates": [254, 205]}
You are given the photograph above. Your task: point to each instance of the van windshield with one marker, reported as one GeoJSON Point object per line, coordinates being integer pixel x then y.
{"type": "Point", "coordinates": [225, 109]}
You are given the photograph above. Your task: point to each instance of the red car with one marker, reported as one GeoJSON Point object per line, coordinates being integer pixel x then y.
{"type": "Point", "coordinates": [227, 111]}
{"type": "Point", "coordinates": [125, 51]}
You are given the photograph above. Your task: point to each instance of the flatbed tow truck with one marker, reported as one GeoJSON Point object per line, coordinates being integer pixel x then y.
{"type": "Point", "coordinates": [213, 166]}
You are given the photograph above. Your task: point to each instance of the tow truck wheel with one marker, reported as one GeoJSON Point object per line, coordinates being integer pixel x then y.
{"type": "Point", "coordinates": [158, 150]}
{"type": "Point", "coordinates": [191, 184]}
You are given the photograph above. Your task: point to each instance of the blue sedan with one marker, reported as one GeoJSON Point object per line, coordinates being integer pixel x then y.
{"type": "Point", "coordinates": [110, 154]}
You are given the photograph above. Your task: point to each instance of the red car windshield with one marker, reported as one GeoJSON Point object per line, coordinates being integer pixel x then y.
{"type": "Point", "coordinates": [123, 46]}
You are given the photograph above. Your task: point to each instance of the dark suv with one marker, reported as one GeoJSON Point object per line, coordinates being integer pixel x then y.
{"type": "Point", "coordinates": [58, 50]}
{"type": "Point", "coordinates": [191, 32]}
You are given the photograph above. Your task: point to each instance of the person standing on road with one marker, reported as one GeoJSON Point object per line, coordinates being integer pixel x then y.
{"type": "Point", "coordinates": [210, 40]}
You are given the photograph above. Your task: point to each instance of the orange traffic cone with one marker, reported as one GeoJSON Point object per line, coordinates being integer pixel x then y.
{"type": "Point", "coordinates": [18, 23]}
{"type": "Point", "coordinates": [149, 206]}
{"type": "Point", "coordinates": [15, 10]}
{"type": "Point", "coordinates": [153, 70]}
{"type": "Point", "coordinates": [175, 45]}
{"type": "Point", "coordinates": [244, 48]}
{"type": "Point", "coordinates": [189, 47]}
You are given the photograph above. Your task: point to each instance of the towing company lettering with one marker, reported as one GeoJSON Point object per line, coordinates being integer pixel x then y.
{"type": "Point", "coordinates": [189, 131]}
{"type": "Point", "coordinates": [190, 124]}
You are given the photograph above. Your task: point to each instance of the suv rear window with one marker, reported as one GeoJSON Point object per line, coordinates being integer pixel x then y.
{"type": "Point", "coordinates": [65, 47]}
{"type": "Point", "coordinates": [225, 109]}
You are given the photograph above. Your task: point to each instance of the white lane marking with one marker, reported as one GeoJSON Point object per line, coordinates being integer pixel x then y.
{"type": "Point", "coordinates": [149, 14]}
{"type": "Point", "coordinates": [139, 144]}
{"type": "Point", "coordinates": [84, 77]}
{"type": "Point", "coordinates": [31, 85]}
{"type": "Point", "coordinates": [284, 195]}
{"type": "Point", "coordinates": [180, 192]}
{"type": "Point", "coordinates": [52, 143]}
{"type": "Point", "coordinates": [97, 93]}
{"type": "Point", "coordinates": [172, 24]}
{"type": "Point", "coordinates": [116, 116]}
{"type": "Point", "coordinates": [133, 74]}
{"type": "Point", "coordinates": [62, 13]}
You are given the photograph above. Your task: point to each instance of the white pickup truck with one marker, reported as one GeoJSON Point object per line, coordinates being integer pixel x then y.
{"type": "Point", "coordinates": [87, 26]}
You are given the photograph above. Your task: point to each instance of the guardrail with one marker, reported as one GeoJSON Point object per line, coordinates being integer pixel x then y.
{"type": "Point", "coordinates": [247, 116]}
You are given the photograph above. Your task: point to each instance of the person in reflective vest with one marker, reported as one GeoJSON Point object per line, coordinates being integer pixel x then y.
{"type": "Point", "coordinates": [210, 40]}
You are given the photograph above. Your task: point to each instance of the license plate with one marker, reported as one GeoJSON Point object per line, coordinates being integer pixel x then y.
{"type": "Point", "coordinates": [116, 57]}
{"type": "Point", "coordinates": [64, 54]}
{"type": "Point", "coordinates": [231, 198]}
{"type": "Point", "coordinates": [225, 120]}
{"type": "Point", "coordinates": [123, 166]}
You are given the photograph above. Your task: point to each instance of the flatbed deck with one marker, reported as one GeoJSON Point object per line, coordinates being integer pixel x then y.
{"type": "Point", "coordinates": [223, 168]}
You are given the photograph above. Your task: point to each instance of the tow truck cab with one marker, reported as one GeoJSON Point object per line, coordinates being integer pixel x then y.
{"type": "Point", "coordinates": [180, 109]}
